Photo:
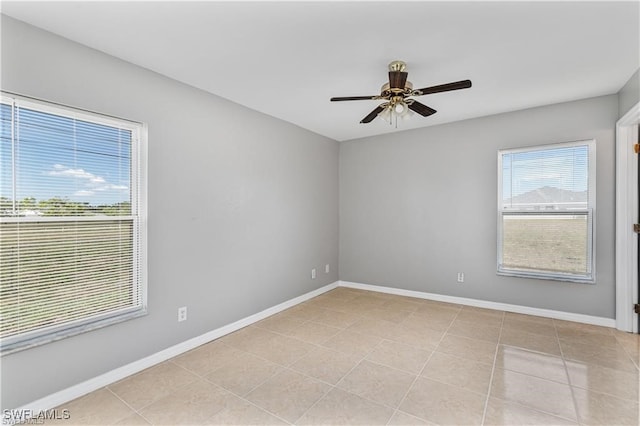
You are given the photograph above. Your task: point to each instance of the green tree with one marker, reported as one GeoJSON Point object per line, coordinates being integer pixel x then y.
{"type": "Point", "coordinates": [118, 209]}
{"type": "Point", "coordinates": [27, 203]}
{"type": "Point", "coordinates": [57, 206]}
{"type": "Point", "coordinates": [6, 206]}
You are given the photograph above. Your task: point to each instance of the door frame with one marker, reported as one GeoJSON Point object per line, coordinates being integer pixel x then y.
{"type": "Point", "coordinates": [626, 216]}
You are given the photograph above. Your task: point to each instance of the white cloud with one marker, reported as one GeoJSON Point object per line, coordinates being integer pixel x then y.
{"type": "Point", "coordinates": [92, 182]}
{"type": "Point", "coordinates": [60, 170]}
{"type": "Point", "coordinates": [111, 187]}
{"type": "Point", "coordinates": [117, 187]}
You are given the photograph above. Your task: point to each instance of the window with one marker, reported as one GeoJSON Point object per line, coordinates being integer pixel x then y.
{"type": "Point", "coordinates": [72, 217]}
{"type": "Point", "coordinates": [546, 206]}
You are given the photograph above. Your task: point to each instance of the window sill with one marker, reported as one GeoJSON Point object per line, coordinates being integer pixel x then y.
{"type": "Point", "coordinates": [550, 277]}
{"type": "Point", "coordinates": [6, 349]}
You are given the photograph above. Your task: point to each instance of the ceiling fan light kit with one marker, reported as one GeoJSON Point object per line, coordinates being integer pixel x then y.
{"type": "Point", "coordinates": [398, 92]}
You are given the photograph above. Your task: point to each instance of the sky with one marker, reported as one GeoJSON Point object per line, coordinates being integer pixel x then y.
{"type": "Point", "coordinates": [62, 157]}
{"type": "Point", "coordinates": [561, 167]}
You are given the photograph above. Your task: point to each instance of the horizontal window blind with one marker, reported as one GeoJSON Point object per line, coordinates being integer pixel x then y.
{"type": "Point", "coordinates": [70, 242]}
{"type": "Point", "coordinates": [545, 211]}
{"type": "Point", "coordinates": [550, 178]}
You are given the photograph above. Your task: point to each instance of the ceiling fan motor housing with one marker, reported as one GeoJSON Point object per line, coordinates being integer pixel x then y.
{"type": "Point", "coordinates": [387, 90]}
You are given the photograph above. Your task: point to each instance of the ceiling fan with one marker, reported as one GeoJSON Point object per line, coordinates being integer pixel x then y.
{"type": "Point", "coordinates": [398, 92]}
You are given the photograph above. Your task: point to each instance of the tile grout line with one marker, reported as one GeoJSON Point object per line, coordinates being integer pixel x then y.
{"type": "Point", "coordinates": [282, 369]}
{"type": "Point", "coordinates": [573, 387]}
{"type": "Point", "coordinates": [260, 408]}
{"type": "Point", "coordinates": [243, 397]}
{"type": "Point", "coordinates": [364, 358]}
{"type": "Point", "coordinates": [636, 361]}
{"type": "Point", "coordinates": [139, 410]}
{"type": "Point", "coordinates": [497, 346]}
{"type": "Point", "coordinates": [288, 367]}
{"type": "Point", "coordinates": [531, 350]}
{"type": "Point", "coordinates": [566, 372]}
{"type": "Point", "coordinates": [538, 410]}
{"type": "Point", "coordinates": [400, 370]}
{"type": "Point", "coordinates": [171, 360]}
{"type": "Point", "coordinates": [395, 410]}
{"type": "Point", "coordinates": [528, 407]}
{"type": "Point", "coordinates": [444, 333]}
{"type": "Point", "coordinates": [493, 370]}
{"type": "Point", "coordinates": [333, 387]}
{"type": "Point", "coordinates": [127, 404]}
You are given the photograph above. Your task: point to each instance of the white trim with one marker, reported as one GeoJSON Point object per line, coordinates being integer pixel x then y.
{"type": "Point", "coordinates": [41, 335]}
{"type": "Point", "coordinates": [590, 276]}
{"type": "Point", "coordinates": [76, 391]}
{"type": "Point", "coordinates": [548, 313]}
{"type": "Point", "coordinates": [142, 208]}
{"type": "Point", "coordinates": [626, 215]}
{"type": "Point", "coordinates": [38, 219]}
{"type": "Point", "coordinates": [72, 111]}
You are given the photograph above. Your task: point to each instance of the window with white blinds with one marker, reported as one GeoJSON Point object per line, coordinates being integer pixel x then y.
{"type": "Point", "coordinates": [72, 216]}
{"type": "Point", "coordinates": [546, 207]}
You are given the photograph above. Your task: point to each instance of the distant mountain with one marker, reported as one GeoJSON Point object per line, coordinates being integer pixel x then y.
{"type": "Point", "coordinates": [548, 195]}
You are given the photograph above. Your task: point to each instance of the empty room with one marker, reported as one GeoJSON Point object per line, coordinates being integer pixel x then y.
{"type": "Point", "coordinates": [314, 213]}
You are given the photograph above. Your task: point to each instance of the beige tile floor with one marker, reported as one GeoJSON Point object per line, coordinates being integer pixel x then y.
{"type": "Point", "coordinates": [358, 357]}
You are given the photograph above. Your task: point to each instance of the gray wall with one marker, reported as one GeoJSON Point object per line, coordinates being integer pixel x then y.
{"type": "Point", "coordinates": [241, 207]}
{"type": "Point", "coordinates": [629, 95]}
{"type": "Point", "coordinates": [417, 207]}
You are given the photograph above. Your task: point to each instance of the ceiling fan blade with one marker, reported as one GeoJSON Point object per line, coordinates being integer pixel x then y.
{"type": "Point", "coordinates": [373, 114]}
{"type": "Point", "coordinates": [421, 109]}
{"type": "Point", "coordinates": [464, 84]}
{"type": "Point", "coordinates": [397, 79]}
{"type": "Point", "coordinates": [354, 98]}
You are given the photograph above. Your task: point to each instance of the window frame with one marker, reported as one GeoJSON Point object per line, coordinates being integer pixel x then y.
{"type": "Point", "coordinates": [137, 215]}
{"type": "Point", "coordinates": [589, 212]}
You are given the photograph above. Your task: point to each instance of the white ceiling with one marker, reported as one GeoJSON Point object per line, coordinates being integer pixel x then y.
{"type": "Point", "coordinates": [286, 59]}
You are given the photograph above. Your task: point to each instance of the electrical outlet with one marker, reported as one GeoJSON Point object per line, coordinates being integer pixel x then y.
{"type": "Point", "coordinates": [326, 268]}
{"type": "Point", "coordinates": [460, 277]}
{"type": "Point", "coordinates": [182, 314]}
{"type": "Point", "coordinates": [313, 274]}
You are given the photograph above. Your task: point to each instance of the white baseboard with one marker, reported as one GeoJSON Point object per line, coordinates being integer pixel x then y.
{"type": "Point", "coordinates": [548, 313]}
{"type": "Point", "coordinates": [76, 391]}
{"type": "Point", "coordinates": [51, 401]}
